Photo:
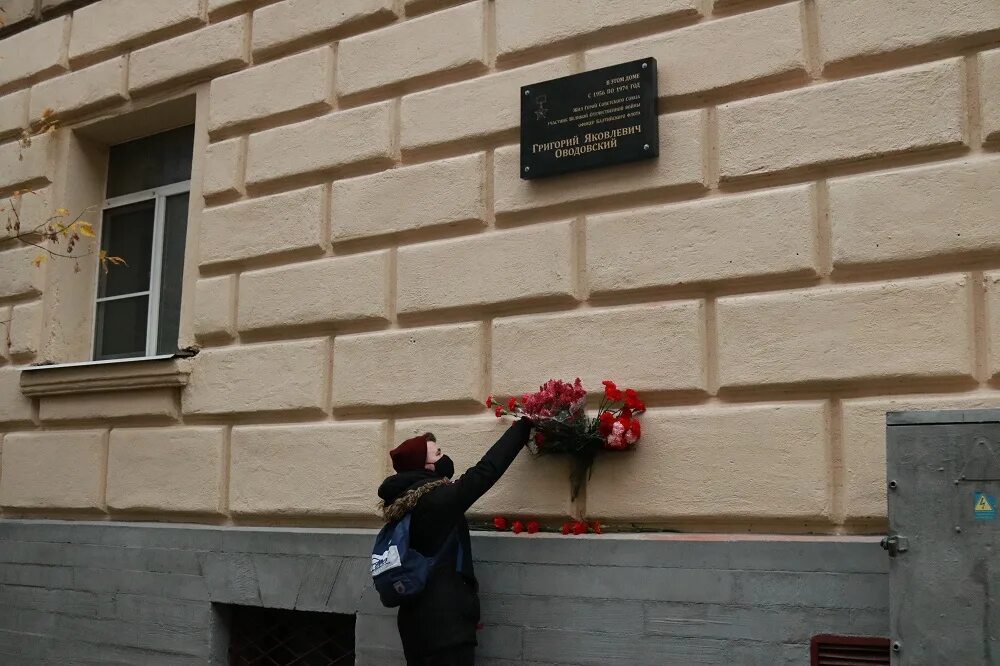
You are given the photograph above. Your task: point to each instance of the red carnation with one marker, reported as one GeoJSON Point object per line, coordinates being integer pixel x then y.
{"type": "Point", "coordinates": [579, 527]}
{"type": "Point", "coordinates": [611, 391]}
{"type": "Point", "coordinates": [489, 401]}
{"type": "Point", "coordinates": [517, 527]}
{"type": "Point", "coordinates": [500, 523]}
{"type": "Point", "coordinates": [596, 527]}
{"type": "Point", "coordinates": [498, 411]}
{"type": "Point", "coordinates": [607, 422]}
{"type": "Point", "coordinates": [567, 528]}
{"type": "Point", "coordinates": [533, 526]}
{"type": "Point", "coordinates": [633, 402]}
{"type": "Point", "coordinates": [512, 404]}
{"type": "Point", "coordinates": [635, 429]}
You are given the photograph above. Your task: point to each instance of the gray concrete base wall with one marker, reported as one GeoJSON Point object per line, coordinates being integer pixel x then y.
{"type": "Point", "coordinates": [102, 593]}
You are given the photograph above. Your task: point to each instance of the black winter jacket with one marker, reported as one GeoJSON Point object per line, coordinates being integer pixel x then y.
{"type": "Point", "coordinates": [445, 614]}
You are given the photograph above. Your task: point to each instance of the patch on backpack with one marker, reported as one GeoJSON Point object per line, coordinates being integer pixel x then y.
{"type": "Point", "coordinates": [387, 560]}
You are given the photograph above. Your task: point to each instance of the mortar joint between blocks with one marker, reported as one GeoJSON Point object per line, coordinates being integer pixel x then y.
{"type": "Point", "coordinates": [105, 459]}
{"type": "Point", "coordinates": [334, 100]}
{"type": "Point", "coordinates": [247, 38]}
{"type": "Point", "coordinates": [489, 187]}
{"type": "Point", "coordinates": [581, 286]}
{"type": "Point", "coordinates": [711, 345]}
{"type": "Point", "coordinates": [328, 379]}
{"type": "Point", "coordinates": [396, 131]}
{"type": "Point", "coordinates": [225, 469]}
{"type": "Point", "coordinates": [980, 328]}
{"type": "Point", "coordinates": [822, 228]}
{"type": "Point", "coordinates": [490, 33]}
{"type": "Point", "coordinates": [809, 17]}
{"type": "Point", "coordinates": [836, 460]}
{"type": "Point", "coordinates": [486, 380]}
{"type": "Point", "coordinates": [710, 148]}
{"type": "Point", "coordinates": [973, 116]}
{"type": "Point", "coordinates": [326, 228]}
{"type": "Point", "coordinates": [392, 288]}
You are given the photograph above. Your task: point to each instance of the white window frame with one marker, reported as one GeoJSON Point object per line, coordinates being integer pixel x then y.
{"type": "Point", "coordinates": [159, 196]}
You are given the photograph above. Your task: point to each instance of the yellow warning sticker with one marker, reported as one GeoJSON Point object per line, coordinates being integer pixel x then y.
{"type": "Point", "coordinates": [984, 506]}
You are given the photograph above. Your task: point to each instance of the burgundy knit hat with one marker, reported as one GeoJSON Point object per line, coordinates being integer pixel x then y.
{"type": "Point", "coordinates": [411, 455]}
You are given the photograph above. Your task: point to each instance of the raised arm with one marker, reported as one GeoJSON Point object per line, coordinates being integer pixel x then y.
{"type": "Point", "coordinates": [479, 478]}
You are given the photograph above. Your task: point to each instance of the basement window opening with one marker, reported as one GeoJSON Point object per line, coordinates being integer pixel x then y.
{"type": "Point", "coordinates": [277, 637]}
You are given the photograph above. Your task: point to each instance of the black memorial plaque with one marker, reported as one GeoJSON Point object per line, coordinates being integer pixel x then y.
{"type": "Point", "coordinates": [598, 118]}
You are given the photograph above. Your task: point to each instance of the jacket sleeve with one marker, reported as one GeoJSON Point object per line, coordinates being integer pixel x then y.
{"type": "Point", "coordinates": [479, 478]}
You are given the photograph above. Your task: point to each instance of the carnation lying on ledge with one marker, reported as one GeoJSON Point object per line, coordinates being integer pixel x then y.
{"type": "Point", "coordinates": [559, 411]}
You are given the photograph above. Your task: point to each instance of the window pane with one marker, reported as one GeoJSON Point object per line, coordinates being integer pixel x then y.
{"type": "Point", "coordinates": [174, 233]}
{"type": "Point", "coordinates": [121, 328]}
{"type": "Point", "coordinates": [151, 162]}
{"type": "Point", "coordinates": [127, 232]}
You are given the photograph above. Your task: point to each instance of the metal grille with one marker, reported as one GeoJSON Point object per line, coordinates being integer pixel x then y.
{"type": "Point", "coordinates": [849, 651]}
{"type": "Point", "coordinates": [273, 637]}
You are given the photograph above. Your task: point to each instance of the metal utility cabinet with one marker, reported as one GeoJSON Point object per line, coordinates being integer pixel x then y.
{"type": "Point", "coordinates": [944, 524]}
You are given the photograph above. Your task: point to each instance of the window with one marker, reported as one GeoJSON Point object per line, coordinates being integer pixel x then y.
{"type": "Point", "coordinates": [273, 637]}
{"type": "Point", "coordinates": [137, 311]}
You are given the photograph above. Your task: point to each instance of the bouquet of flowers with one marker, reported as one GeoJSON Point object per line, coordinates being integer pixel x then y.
{"type": "Point", "coordinates": [562, 425]}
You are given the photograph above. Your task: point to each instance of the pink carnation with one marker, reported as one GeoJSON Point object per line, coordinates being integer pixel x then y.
{"type": "Point", "coordinates": [555, 396]}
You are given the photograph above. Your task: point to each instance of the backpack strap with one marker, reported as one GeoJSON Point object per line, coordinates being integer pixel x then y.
{"type": "Point", "coordinates": [459, 559]}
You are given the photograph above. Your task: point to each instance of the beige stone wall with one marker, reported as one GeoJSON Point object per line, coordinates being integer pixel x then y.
{"type": "Point", "coordinates": [816, 244]}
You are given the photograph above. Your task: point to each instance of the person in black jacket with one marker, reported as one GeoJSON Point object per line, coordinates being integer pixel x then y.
{"type": "Point", "coordinates": [438, 627]}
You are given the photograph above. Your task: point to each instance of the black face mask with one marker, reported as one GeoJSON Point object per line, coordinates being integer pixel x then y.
{"type": "Point", "coordinates": [445, 467]}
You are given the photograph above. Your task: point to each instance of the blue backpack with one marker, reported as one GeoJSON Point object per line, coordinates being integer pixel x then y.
{"type": "Point", "coordinates": [400, 572]}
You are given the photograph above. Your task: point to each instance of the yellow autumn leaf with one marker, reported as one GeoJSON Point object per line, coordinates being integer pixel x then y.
{"type": "Point", "coordinates": [38, 260]}
{"type": "Point", "coordinates": [105, 260]}
{"type": "Point", "coordinates": [86, 228]}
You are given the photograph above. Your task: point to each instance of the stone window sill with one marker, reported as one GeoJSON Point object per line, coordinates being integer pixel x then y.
{"type": "Point", "coordinates": [170, 371]}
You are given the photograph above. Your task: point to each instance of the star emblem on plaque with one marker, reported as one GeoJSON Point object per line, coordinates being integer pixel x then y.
{"type": "Point", "coordinates": [541, 111]}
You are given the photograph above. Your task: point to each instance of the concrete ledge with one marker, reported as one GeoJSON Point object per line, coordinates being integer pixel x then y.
{"type": "Point", "coordinates": [143, 592]}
